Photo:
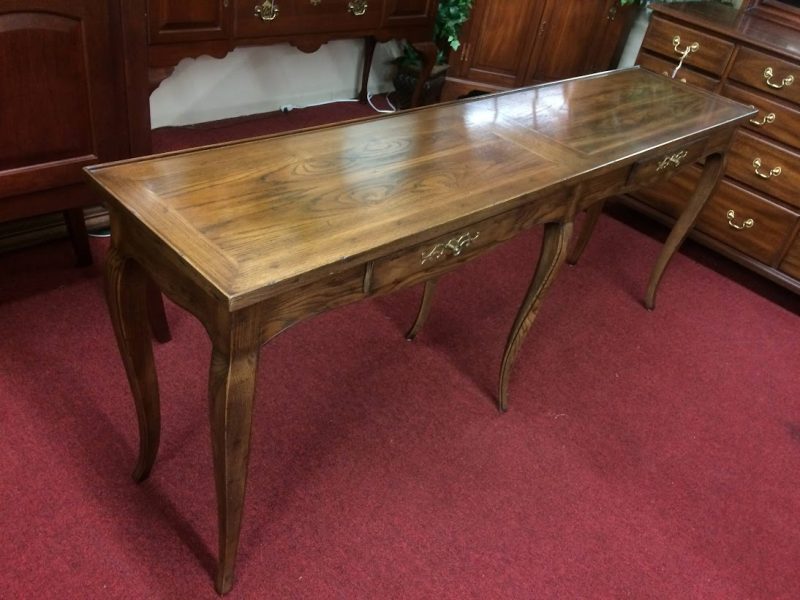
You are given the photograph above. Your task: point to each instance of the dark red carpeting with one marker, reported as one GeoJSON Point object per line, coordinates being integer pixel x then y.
{"type": "Point", "coordinates": [645, 454]}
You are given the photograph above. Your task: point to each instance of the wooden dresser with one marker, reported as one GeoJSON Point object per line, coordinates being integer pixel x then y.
{"type": "Point", "coordinates": [752, 56]}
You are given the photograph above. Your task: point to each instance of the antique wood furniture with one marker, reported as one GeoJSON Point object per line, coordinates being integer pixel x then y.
{"type": "Point", "coordinates": [61, 107]}
{"type": "Point", "coordinates": [174, 29]}
{"type": "Point", "coordinates": [252, 237]}
{"type": "Point", "coordinates": [76, 77]}
{"type": "Point", "coordinates": [751, 56]}
{"type": "Point", "coordinates": [513, 44]}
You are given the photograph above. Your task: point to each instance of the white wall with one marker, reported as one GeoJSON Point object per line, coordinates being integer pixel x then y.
{"type": "Point", "coordinates": [264, 78]}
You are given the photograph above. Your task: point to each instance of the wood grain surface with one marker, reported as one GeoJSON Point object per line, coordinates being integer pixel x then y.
{"type": "Point", "coordinates": [261, 216]}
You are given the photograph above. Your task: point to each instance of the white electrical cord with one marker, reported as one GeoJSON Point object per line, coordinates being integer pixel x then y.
{"type": "Point", "coordinates": [376, 109]}
{"type": "Point", "coordinates": [287, 107]}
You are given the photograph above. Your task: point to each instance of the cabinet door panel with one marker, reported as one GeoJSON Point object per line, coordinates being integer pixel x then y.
{"type": "Point", "coordinates": [57, 93]}
{"type": "Point", "coordinates": [500, 41]}
{"type": "Point", "coordinates": [179, 21]}
{"type": "Point", "coordinates": [409, 12]}
{"type": "Point", "coordinates": [44, 118]}
{"type": "Point", "coordinates": [567, 37]}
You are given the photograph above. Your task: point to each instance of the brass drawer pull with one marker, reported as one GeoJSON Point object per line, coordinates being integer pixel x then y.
{"type": "Point", "coordinates": [267, 10]}
{"type": "Point", "coordinates": [746, 224]}
{"type": "Point", "coordinates": [673, 160]}
{"type": "Point", "coordinates": [357, 7]}
{"type": "Point", "coordinates": [785, 82]}
{"type": "Point", "coordinates": [773, 172]}
{"type": "Point", "coordinates": [316, 2]}
{"type": "Point", "coordinates": [453, 247]}
{"type": "Point", "coordinates": [768, 118]}
{"type": "Point", "coordinates": [693, 47]}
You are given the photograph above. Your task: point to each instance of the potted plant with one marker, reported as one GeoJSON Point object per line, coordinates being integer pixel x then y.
{"type": "Point", "coordinates": [450, 18]}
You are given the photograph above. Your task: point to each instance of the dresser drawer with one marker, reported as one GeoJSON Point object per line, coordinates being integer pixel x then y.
{"type": "Point", "coordinates": [775, 120]}
{"type": "Point", "coordinates": [791, 262]}
{"type": "Point", "coordinates": [291, 17]}
{"type": "Point", "coordinates": [671, 40]}
{"type": "Point", "coordinates": [659, 65]}
{"type": "Point", "coordinates": [447, 251]}
{"type": "Point", "coordinates": [764, 72]}
{"type": "Point", "coordinates": [762, 240]}
{"type": "Point", "coordinates": [747, 221]}
{"type": "Point", "coordinates": [765, 166]}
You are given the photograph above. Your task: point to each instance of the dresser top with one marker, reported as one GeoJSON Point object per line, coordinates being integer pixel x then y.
{"type": "Point", "coordinates": [742, 26]}
{"type": "Point", "coordinates": [263, 214]}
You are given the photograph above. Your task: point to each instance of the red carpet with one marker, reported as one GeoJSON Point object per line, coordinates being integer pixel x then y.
{"type": "Point", "coordinates": [644, 455]}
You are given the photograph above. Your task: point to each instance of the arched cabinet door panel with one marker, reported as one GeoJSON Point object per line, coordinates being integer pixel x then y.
{"type": "Point", "coordinates": [60, 109]}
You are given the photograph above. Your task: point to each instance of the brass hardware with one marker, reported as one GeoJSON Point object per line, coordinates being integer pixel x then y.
{"type": "Point", "coordinates": [785, 82]}
{"type": "Point", "coordinates": [693, 47]}
{"type": "Point", "coordinates": [768, 118]}
{"type": "Point", "coordinates": [673, 160]}
{"type": "Point", "coordinates": [773, 172]}
{"type": "Point", "coordinates": [357, 7]}
{"type": "Point", "coordinates": [465, 52]}
{"type": "Point", "coordinates": [316, 2]}
{"type": "Point", "coordinates": [225, 3]}
{"type": "Point", "coordinates": [612, 13]}
{"type": "Point", "coordinates": [452, 247]}
{"type": "Point", "coordinates": [746, 224]}
{"type": "Point", "coordinates": [267, 10]}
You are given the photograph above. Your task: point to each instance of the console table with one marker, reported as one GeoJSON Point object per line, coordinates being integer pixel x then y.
{"type": "Point", "coordinates": [254, 236]}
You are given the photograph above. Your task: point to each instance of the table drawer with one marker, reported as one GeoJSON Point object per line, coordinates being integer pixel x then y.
{"type": "Point", "coordinates": [764, 72]}
{"type": "Point", "coordinates": [670, 198]}
{"type": "Point", "coordinates": [775, 120]}
{"type": "Point", "coordinates": [747, 221]}
{"type": "Point", "coordinates": [791, 262]}
{"type": "Point", "coordinates": [659, 65]}
{"type": "Point", "coordinates": [671, 40]}
{"type": "Point", "coordinates": [663, 166]}
{"type": "Point", "coordinates": [447, 251]}
{"type": "Point", "coordinates": [765, 166]}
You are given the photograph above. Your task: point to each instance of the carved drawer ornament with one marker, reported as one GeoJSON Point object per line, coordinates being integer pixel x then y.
{"type": "Point", "coordinates": [452, 247]}
{"type": "Point", "coordinates": [673, 160]}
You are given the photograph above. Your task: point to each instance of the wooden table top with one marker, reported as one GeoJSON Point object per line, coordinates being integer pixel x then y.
{"type": "Point", "coordinates": [260, 216]}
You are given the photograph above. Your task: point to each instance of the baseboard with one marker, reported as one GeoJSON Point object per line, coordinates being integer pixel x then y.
{"type": "Point", "coordinates": [23, 233]}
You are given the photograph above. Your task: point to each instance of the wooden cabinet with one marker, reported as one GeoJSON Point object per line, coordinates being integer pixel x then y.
{"type": "Point", "coordinates": [185, 21]}
{"type": "Point", "coordinates": [512, 44]}
{"type": "Point", "coordinates": [60, 105]}
{"type": "Point", "coordinates": [176, 29]}
{"type": "Point", "coordinates": [754, 216]}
